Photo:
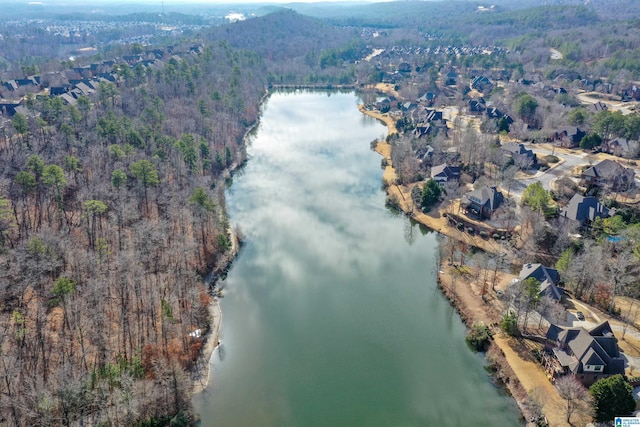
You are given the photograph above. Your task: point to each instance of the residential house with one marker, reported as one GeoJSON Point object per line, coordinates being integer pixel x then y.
{"type": "Point", "coordinates": [423, 129]}
{"type": "Point", "coordinates": [568, 137]}
{"type": "Point", "coordinates": [451, 78]}
{"type": "Point", "coordinates": [26, 112]}
{"type": "Point", "coordinates": [483, 201]}
{"type": "Point", "coordinates": [525, 82]}
{"type": "Point", "coordinates": [495, 113]}
{"type": "Point", "coordinates": [621, 147]}
{"type": "Point", "coordinates": [85, 89]}
{"type": "Point", "coordinates": [134, 59]}
{"type": "Point", "coordinates": [83, 72]}
{"type": "Point", "coordinates": [408, 106]}
{"type": "Point", "coordinates": [444, 174]}
{"type": "Point", "coordinates": [588, 355]}
{"type": "Point", "coordinates": [522, 157]}
{"type": "Point", "coordinates": [383, 105]}
{"type": "Point", "coordinates": [424, 153]}
{"type": "Point", "coordinates": [435, 116]}
{"type": "Point", "coordinates": [476, 107]}
{"type": "Point", "coordinates": [404, 67]}
{"type": "Point", "coordinates": [549, 279]}
{"type": "Point", "coordinates": [481, 84]}
{"type": "Point", "coordinates": [427, 99]}
{"type": "Point", "coordinates": [427, 121]}
{"type": "Point", "coordinates": [58, 90]}
{"type": "Point", "coordinates": [107, 76]}
{"type": "Point", "coordinates": [28, 82]}
{"type": "Point", "coordinates": [500, 75]}
{"type": "Point", "coordinates": [598, 106]}
{"type": "Point", "coordinates": [68, 99]}
{"type": "Point", "coordinates": [391, 78]}
{"type": "Point", "coordinates": [11, 85]}
{"type": "Point", "coordinates": [610, 175]}
{"type": "Point", "coordinates": [584, 209]}
{"type": "Point", "coordinates": [8, 108]}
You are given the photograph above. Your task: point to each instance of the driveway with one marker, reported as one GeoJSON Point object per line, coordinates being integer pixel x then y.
{"type": "Point", "coordinates": [568, 161]}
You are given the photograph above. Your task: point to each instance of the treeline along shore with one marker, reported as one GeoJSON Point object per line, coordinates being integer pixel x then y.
{"type": "Point", "coordinates": [112, 172]}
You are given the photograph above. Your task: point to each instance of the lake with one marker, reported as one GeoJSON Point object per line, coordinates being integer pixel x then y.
{"type": "Point", "coordinates": [331, 314]}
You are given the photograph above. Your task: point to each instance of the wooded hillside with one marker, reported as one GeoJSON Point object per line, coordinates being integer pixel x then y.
{"type": "Point", "coordinates": [111, 211]}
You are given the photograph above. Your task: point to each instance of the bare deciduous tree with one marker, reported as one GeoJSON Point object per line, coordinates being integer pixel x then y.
{"type": "Point", "coordinates": [577, 399]}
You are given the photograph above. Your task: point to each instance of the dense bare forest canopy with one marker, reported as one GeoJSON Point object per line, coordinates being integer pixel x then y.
{"type": "Point", "coordinates": [112, 212]}
{"type": "Point", "coordinates": [112, 206]}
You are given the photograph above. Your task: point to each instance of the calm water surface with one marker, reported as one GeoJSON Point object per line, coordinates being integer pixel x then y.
{"type": "Point", "coordinates": [331, 315]}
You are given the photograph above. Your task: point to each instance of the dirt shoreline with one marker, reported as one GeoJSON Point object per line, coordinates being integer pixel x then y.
{"type": "Point", "coordinates": [211, 341]}
{"type": "Point", "coordinates": [521, 377]}
{"type": "Point", "coordinates": [200, 378]}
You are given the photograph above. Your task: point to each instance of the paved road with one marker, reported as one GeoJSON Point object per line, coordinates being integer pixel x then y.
{"type": "Point", "coordinates": [568, 161]}
{"type": "Point", "coordinates": [591, 98]}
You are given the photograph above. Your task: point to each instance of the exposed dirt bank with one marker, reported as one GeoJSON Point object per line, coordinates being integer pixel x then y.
{"type": "Point", "coordinates": [514, 368]}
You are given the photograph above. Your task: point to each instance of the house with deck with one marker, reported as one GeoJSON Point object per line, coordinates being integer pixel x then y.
{"type": "Point", "coordinates": [610, 175]}
{"type": "Point", "coordinates": [444, 174]}
{"type": "Point", "coordinates": [587, 354]}
{"type": "Point", "coordinates": [584, 209]}
{"type": "Point", "coordinates": [483, 202]}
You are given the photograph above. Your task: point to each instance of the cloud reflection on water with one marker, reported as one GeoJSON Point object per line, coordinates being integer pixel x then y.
{"type": "Point", "coordinates": [311, 206]}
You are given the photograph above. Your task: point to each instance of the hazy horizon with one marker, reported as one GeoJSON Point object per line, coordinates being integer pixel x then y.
{"type": "Point", "coordinates": [178, 2]}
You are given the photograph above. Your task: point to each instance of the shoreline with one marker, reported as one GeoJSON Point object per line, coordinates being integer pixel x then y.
{"type": "Point", "coordinates": [200, 380]}
{"type": "Point", "coordinates": [401, 195]}
{"type": "Point", "coordinates": [504, 376]}
{"type": "Point", "coordinates": [512, 371]}
{"type": "Point", "coordinates": [201, 377]}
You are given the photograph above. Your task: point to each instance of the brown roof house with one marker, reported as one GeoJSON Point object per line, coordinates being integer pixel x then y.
{"type": "Point", "coordinates": [621, 147]}
{"type": "Point", "coordinates": [588, 355]}
{"type": "Point", "coordinates": [483, 201]}
{"type": "Point", "coordinates": [585, 209]}
{"type": "Point", "coordinates": [610, 175]}
{"type": "Point", "coordinates": [568, 137]}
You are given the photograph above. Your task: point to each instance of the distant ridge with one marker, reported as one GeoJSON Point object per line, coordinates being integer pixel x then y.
{"type": "Point", "coordinates": [281, 34]}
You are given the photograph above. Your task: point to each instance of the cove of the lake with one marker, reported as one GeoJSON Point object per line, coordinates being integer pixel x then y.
{"type": "Point", "coordinates": [331, 313]}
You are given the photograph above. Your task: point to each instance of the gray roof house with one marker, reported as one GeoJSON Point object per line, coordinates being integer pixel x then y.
{"type": "Point", "coordinates": [481, 84]}
{"type": "Point", "coordinates": [584, 209]}
{"type": "Point", "coordinates": [483, 201]}
{"type": "Point", "coordinates": [588, 355]}
{"type": "Point", "coordinates": [609, 174]}
{"type": "Point", "coordinates": [444, 173]}
{"type": "Point", "coordinates": [548, 278]}
{"type": "Point", "coordinates": [522, 157]}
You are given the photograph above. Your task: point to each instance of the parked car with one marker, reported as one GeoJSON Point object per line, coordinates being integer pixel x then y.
{"type": "Point", "coordinates": [580, 315]}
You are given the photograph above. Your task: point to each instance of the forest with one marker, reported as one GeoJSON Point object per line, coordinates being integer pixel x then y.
{"type": "Point", "coordinates": [112, 214]}
{"type": "Point", "coordinates": [112, 208]}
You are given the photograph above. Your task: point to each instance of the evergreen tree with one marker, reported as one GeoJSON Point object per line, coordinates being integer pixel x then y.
{"type": "Point", "coordinates": [431, 193]}
{"type": "Point", "coordinates": [613, 397]}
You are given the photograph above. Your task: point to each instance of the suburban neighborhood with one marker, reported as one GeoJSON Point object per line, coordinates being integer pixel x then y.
{"type": "Point", "coordinates": [134, 172]}
{"type": "Point", "coordinates": [506, 191]}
